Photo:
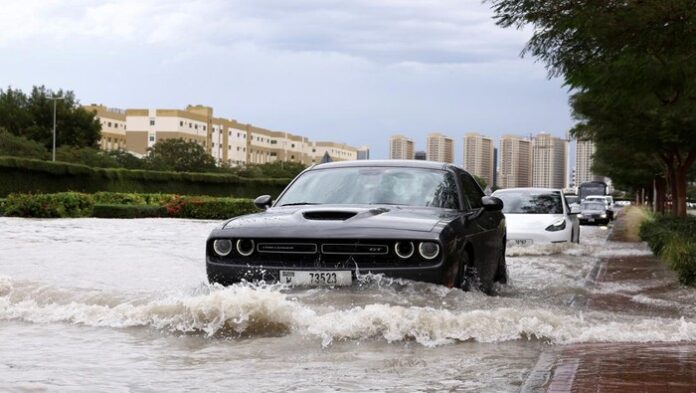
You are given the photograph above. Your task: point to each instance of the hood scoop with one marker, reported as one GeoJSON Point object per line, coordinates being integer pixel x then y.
{"type": "Point", "coordinates": [328, 215]}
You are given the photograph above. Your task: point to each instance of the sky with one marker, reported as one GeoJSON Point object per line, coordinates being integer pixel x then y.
{"type": "Point", "coordinates": [351, 71]}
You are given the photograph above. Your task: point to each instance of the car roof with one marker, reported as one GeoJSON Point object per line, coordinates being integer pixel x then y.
{"type": "Point", "coordinates": [385, 163]}
{"type": "Point", "coordinates": [537, 189]}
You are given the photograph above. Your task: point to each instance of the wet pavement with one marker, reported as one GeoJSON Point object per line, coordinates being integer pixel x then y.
{"type": "Point", "coordinates": [648, 288]}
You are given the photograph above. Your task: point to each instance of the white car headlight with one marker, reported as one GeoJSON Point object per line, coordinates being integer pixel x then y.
{"type": "Point", "coordinates": [428, 250]}
{"type": "Point", "coordinates": [222, 247]}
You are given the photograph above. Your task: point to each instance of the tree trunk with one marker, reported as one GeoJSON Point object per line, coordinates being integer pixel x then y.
{"type": "Point", "coordinates": [680, 179]}
{"type": "Point", "coordinates": [672, 180]}
{"type": "Point", "coordinates": [659, 186]}
{"type": "Point", "coordinates": [680, 199]}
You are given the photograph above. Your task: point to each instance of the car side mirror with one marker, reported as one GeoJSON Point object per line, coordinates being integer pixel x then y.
{"type": "Point", "coordinates": [575, 210]}
{"type": "Point", "coordinates": [263, 202]}
{"type": "Point", "coordinates": [491, 203]}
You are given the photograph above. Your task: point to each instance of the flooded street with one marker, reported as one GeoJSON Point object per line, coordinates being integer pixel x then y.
{"type": "Point", "coordinates": [92, 304]}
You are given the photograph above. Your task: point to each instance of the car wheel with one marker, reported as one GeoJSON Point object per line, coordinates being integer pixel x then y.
{"type": "Point", "coordinates": [468, 276]}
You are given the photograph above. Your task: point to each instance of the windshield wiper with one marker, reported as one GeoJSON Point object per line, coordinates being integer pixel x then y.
{"type": "Point", "coordinates": [300, 203]}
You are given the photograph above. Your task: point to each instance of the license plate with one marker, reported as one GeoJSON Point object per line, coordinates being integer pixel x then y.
{"type": "Point", "coordinates": [520, 242]}
{"type": "Point", "coordinates": [316, 278]}
{"type": "Point", "coordinates": [590, 220]}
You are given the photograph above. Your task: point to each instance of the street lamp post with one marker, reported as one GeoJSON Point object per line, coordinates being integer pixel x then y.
{"type": "Point", "coordinates": [55, 99]}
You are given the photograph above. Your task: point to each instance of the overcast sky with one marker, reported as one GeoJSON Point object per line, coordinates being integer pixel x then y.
{"type": "Point", "coordinates": [353, 71]}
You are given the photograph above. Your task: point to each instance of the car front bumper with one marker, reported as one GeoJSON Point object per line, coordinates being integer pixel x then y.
{"type": "Point", "coordinates": [226, 273]}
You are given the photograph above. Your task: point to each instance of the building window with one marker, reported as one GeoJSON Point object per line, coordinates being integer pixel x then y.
{"type": "Point", "coordinates": [181, 123]}
{"type": "Point", "coordinates": [314, 151]}
{"type": "Point", "coordinates": [293, 145]}
{"type": "Point", "coordinates": [152, 138]}
{"type": "Point", "coordinates": [203, 128]}
{"type": "Point", "coordinates": [292, 157]}
{"type": "Point", "coordinates": [190, 125]}
{"type": "Point", "coordinates": [231, 134]}
{"type": "Point", "coordinates": [109, 123]}
{"type": "Point", "coordinates": [230, 148]}
{"type": "Point", "coordinates": [152, 122]}
{"type": "Point", "coordinates": [237, 148]}
{"type": "Point", "coordinates": [195, 127]}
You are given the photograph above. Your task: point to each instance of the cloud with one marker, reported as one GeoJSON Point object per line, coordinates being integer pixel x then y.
{"type": "Point", "coordinates": [391, 31]}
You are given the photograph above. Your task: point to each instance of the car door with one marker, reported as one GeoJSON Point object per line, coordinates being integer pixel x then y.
{"type": "Point", "coordinates": [487, 228]}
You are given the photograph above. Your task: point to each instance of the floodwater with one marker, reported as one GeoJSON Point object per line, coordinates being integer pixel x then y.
{"type": "Point", "coordinates": [123, 305]}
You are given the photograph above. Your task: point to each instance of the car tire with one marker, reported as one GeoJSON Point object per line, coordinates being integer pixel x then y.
{"type": "Point", "coordinates": [468, 276]}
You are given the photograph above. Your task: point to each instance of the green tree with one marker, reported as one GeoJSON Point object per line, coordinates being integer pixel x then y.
{"type": "Point", "coordinates": [127, 160]}
{"type": "Point", "coordinates": [87, 156]}
{"type": "Point", "coordinates": [179, 155]}
{"type": "Point", "coordinates": [31, 116]}
{"type": "Point", "coordinates": [630, 66]}
{"type": "Point", "coordinates": [12, 145]}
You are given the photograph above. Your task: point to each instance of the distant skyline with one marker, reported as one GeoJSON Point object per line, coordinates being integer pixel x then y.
{"type": "Point", "coordinates": [348, 71]}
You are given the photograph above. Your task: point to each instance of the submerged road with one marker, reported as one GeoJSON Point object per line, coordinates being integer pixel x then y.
{"type": "Point", "coordinates": [118, 305]}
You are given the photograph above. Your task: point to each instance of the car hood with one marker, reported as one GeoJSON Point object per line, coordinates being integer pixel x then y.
{"type": "Point", "coordinates": [325, 219]}
{"type": "Point", "coordinates": [530, 222]}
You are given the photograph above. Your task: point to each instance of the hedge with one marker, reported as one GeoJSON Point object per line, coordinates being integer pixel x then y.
{"type": "Point", "coordinates": [129, 211]}
{"type": "Point", "coordinates": [66, 204]}
{"type": "Point", "coordinates": [120, 205]}
{"type": "Point", "coordinates": [673, 239]}
{"type": "Point", "coordinates": [22, 175]}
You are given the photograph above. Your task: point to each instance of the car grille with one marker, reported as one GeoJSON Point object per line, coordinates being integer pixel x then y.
{"type": "Point", "coordinates": [304, 253]}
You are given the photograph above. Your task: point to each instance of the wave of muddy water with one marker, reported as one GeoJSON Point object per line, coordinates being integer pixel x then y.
{"type": "Point", "coordinates": [91, 304]}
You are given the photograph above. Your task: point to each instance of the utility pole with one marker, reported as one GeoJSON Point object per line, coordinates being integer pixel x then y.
{"type": "Point", "coordinates": [55, 99]}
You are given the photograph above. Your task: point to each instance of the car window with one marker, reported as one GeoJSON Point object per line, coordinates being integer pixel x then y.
{"type": "Point", "coordinates": [472, 191]}
{"type": "Point", "coordinates": [531, 202]}
{"type": "Point", "coordinates": [374, 185]}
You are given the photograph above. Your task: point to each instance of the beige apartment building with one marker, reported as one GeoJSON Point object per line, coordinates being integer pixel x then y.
{"type": "Point", "coordinates": [400, 148]}
{"type": "Point", "coordinates": [550, 166]}
{"type": "Point", "coordinates": [440, 148]}
{"type": "Point", "coordinates": [583, 162]}
{"type": "Point", "coordinates": [230, 142]}
{"type": "Point", "coordinates": [515, 162]}
{"type": "Point", "coordinates": [478, 156]}
{"type": "Point", "coordinates": [113, 122]}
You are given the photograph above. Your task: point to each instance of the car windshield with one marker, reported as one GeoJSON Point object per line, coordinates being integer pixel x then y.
{"type": "Point", "coordinates": [374, 185]}
{"type": "Point", "coordinates": [593, 206]}
{"type": "Point", "coordinates": [571, 199]}
{"type": "Point", "coordinates": [531, 202]}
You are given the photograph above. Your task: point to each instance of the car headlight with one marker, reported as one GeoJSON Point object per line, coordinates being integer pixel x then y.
{"type": "Point", "coordinates": [428, 250]}
{"type": "Point", "coordinates": [245, 247]}
{"type": "Point", "coordinates": [579, 215]}
{"type": "Point", "coordinates": [222, 247]}
{"type": "Point", "coordinates": [604, 215]}
{"type": "Point", "coordinates": [557, 225]}
{"type": "Point", "coordinates": [404, 250]}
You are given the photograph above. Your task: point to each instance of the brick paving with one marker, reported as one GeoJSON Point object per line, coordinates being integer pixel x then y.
{"type": "Point", "coordinates": [621, 367]}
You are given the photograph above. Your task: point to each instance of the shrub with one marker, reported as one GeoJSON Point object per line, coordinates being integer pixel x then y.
{"type": "Point", "coordinates": [673, 239]}
{"type": "Point", "coordinates": [118, 198]}
{"type": "Point", "coordinates": [36, 176]}
{"type": "Point", "coordinates": [64, 204]}
{"type": "Point", "coordinates": [2, 206]}
{"type": "Point", "coordinates": [128, 211]}
{"type": "Point", "coordinates": [209, 207]}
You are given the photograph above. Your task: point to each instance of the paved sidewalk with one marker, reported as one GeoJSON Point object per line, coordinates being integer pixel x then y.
{"type": "Point", "coordinates": [621, 367]}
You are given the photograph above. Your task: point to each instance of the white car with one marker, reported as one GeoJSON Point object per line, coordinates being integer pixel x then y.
{"type": "Point", "coordinates": [608, 201]}
{"type": "Point", "coordinates": [538, 215]}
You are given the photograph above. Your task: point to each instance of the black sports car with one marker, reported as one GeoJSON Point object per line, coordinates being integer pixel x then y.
{"type": "Point", "coordinates": [418, 220]}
